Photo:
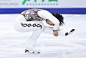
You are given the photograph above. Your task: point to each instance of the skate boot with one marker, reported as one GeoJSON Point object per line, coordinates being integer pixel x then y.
{"type": "Point", "coordinates": [67, 33]}
{"type": "Point", "coordinates": [33, 50]}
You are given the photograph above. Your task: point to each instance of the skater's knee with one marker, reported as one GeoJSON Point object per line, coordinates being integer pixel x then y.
{"type": "Point", "coordinates": [17, 26]}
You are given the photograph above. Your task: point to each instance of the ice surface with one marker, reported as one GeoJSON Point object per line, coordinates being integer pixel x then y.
{"type": "Point", "coordinates": [12, 43]}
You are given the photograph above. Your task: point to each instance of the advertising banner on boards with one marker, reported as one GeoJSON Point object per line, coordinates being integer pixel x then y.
{"type": "Point", "coordinates": [29, 3]}
{"type": "Point", "coordinates": [55, 6]}
{"type": "Point", "coordinates": [42, 3]}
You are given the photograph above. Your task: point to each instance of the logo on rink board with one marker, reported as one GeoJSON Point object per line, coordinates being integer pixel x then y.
{"type": "Point", "coordinates": [29, 25]}
{"type": "Point", "coordinates": [40, 2]}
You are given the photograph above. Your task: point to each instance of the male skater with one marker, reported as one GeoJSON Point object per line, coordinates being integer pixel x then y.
{"type": "Point", "coordinates": [32, 20]}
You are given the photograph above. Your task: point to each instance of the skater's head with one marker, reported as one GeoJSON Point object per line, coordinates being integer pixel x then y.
{"type": "Point", "coordinates": [59, 17]}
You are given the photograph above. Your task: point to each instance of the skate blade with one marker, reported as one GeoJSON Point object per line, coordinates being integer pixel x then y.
{"type": "Point", "coordinates": [27, 51]}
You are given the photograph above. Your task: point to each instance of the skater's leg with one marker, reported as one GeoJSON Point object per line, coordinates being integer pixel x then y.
{"type": "Point", "coordinates": [37, 31]}
{"type": "Point", "coordinates": [32, 40]}
{"type": "Point", "coordinates": [18, 26]}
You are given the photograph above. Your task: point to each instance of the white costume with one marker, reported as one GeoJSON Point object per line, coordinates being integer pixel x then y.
{"type": "Point", "coordinates": [22, 24]}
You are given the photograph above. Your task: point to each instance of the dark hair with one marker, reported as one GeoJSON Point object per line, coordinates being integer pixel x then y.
{"type": "Point", "coordinates": [59, 17]}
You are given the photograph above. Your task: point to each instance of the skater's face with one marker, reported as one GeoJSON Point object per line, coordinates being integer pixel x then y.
{"type": "Point", "coordinates": [49, 22]}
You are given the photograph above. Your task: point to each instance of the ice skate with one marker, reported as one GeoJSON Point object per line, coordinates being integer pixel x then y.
{"type": "Point", "coordinates": [67, 33]}
{"type": "Point", "coordinates": [33, 50]}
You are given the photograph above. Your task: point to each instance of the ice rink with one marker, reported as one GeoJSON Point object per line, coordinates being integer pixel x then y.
{"type": "Point", "coordinates": [12, 43]}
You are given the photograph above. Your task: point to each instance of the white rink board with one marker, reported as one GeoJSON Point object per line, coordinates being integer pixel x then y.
{"type": "Point", "coordinates": [60, 4]}
{"type": "Point", "coordinates": [74, 46]}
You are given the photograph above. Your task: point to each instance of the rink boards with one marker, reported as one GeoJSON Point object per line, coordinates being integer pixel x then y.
{"type": "Point", "coordinates": [52, 10]}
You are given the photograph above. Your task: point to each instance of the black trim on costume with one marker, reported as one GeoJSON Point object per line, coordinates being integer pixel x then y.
{"type": "Point", "coordinates": [54, 30]}
{"type": "Point", "coordinates": [29, 25]}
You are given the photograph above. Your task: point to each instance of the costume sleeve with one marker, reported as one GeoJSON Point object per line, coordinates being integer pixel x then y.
{"type": "Point", "coordinates": [47, 15]}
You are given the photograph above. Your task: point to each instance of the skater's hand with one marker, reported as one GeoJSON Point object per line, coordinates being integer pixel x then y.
{"type": "Point", "coordinates": [56, 33]}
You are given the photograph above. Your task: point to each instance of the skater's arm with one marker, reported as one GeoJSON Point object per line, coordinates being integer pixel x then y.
{"type": "Point", "coordinates": [47, 15]}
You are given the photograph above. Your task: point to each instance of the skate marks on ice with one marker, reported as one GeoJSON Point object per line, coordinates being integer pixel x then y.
{"type": "Point", "coordinates": [14, 48]}
{"type": "Point", "coordinates": [73, 46]}
{"type": "Point", "coordinates": [51, 48]}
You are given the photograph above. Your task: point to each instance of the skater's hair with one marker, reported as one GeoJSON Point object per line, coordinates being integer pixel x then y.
{"type": "Point", "coordinates": [59, 17]}
{"type": "Point", "coordinates": [46, 20]}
